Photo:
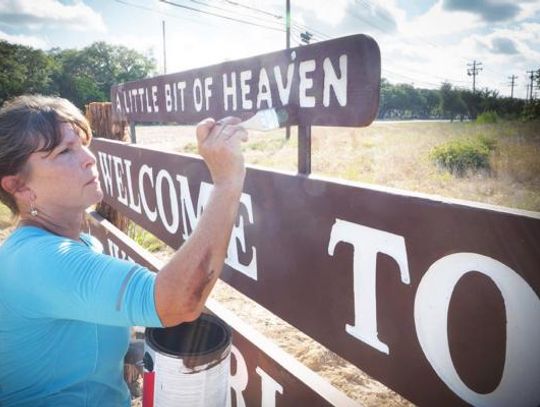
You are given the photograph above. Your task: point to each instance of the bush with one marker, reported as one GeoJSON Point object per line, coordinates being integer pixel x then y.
{"type": "Point", "coordinates": [531, 111]}
{"type": "Point", "coordinates": [488, 117]}
{"type": "Point", "coordinates": [459, 156]}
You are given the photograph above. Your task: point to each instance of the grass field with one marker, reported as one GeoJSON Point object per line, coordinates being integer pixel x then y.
{"type": "Point", "coordinates": [397, 155]}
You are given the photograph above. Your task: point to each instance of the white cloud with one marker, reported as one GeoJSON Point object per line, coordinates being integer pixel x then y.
{"type": "Point", "coordinates": [38, 13]}
{"type": "Point", "coordinates": [437, 21]}
{"type": "Point", "coordinates": [28, 40]}
{"type": "Point", "coordinates": [333, 14]}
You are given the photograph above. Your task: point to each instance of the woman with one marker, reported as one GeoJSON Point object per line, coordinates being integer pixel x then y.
{"type": "Point", "coordinates": [65, 308]}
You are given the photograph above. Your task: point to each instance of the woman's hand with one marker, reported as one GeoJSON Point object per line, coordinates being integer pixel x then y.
{"type": "Point", "coordinates": [219, 145]}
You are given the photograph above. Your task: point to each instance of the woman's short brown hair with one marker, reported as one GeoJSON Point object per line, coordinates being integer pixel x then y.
{"type": "Point", "coordinates": [31, 123]}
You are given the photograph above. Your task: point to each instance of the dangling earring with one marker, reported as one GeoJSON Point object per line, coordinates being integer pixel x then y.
{"type": "Point", "coordinates": [33, 210]}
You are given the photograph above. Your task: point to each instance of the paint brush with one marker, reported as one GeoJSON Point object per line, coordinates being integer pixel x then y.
{"type": "Point", "coordinates": [266, 119]}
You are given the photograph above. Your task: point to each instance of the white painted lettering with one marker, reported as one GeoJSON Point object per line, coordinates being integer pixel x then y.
{"type": "Point", "coordinates": [118, 175]}
{"type": "Point", "coordinates": [197, 95]}
{"type": "Point", "coordinates": [519, 382]}
{"type": "Point", "coordinates": [172, 226]}
{"type": "Point", "coordinates": [264, 90]}
{"type": "Point", "coordinates": [238, 242]}
{"type": "Point", "coordinates": [146, 170]}
{"type": "Point", "coordinates": [135, 206]}
{"type": "Point", "coordinates": [269, 388]}
{"type": "Point", "coordinates": [245, 90]}
{"type": "Point", "coordinates": [207, 92]}
{"type": "Point", "coordinates": [105, 169]}
{"type": "Point", "coordinates": [306, 83]}
{"type": "Point", "coordinates": [229, 91]}
{"type": "Point", "coordinates": [367, 243]}
{"type": "Point", "coordinates": [239, 380]}
{"type": "Point", "coordinates": [339, 85]}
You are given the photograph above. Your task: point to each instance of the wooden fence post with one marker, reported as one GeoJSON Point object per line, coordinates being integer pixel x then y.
{"type": "Point", "coordinates": [99, 115]}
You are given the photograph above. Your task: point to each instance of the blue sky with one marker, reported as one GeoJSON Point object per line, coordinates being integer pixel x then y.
{"type": "Point", "coordinates": [422, 42]}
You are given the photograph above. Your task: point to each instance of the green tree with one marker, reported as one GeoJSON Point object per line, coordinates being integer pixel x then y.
{"type": "Point", "coordinates": [24, 70]}
{"type": "Point", "coordinates": [451, 103]}
{"type": "Point", "coordinates": [87, 75]}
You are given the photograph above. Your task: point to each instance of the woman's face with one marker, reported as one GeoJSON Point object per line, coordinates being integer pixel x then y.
{"type": "Point", "coordinates": [65, 178]}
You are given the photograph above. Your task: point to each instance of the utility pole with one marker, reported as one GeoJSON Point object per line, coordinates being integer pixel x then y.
{"type": "Point", "coordinates": [512, 84]}
{"type": "Point", "coordinates": [288, 45]}
{"type": "Point", "coordinates": [531, 86]}
{"type": "Point", "coordinates": [164, 48]}
{"type": "Point", "coordinates": [288, 23]}
{"type": "Point", "coordinates": [476, 68]}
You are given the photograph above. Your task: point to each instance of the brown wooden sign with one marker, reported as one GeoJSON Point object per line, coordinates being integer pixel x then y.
{"type": "Point", "coordinates": [329, 83]}
{"type": "Point", "coordinates": [438, 300]}
{"type": "Point", "coordinates": [261, 373]}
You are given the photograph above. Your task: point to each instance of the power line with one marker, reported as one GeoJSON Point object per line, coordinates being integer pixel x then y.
{"type": "Point", "coordinates": [156, 11]}
{"type": "Point", "coordinates": [234, 3]}
{"type": "Point", "coordinates": [228, 9]}
{"type": "Point", "coordinates": [221, 16]}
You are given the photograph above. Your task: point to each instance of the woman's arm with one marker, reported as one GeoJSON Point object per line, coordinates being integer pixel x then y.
{"type": "Point", "coordinates": [185, 282]}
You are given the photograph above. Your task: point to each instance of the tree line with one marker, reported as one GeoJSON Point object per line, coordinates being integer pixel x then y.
{"type": "Point", "coordinates": [82, 76]}
{"type": "Point", "coordinates": [86, 75]}
{"type": "Point", "coordinates": [404, 101]}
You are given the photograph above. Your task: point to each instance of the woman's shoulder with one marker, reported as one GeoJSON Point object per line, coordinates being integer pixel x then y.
{"type": "Point", "coordinates": [32, 240]}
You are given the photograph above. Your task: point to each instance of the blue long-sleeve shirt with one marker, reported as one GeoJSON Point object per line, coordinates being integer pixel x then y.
{"type": "Point", "coordinates": [65, 309]}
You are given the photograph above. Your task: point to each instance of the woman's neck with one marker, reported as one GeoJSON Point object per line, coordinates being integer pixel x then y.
{"type": "Point", "coordinates": [67, 226]}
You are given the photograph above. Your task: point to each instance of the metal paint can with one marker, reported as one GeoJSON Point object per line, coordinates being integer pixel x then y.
{"type": "Point", "coordinates": [188, 364]}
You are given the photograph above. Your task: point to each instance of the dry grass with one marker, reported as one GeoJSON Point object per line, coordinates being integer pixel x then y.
{"type": "Point", "coordinates": [397, 155]}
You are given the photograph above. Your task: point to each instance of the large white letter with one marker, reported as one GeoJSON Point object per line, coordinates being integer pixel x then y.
{"type": "Point", "coordinates": [118, 172]}
{"type": "Point", "coordinates": [238, 238]}
{"type": "Point", "coordinates": [284, 90]}
{"type": "Point", "coordinates": [239, 380]}
{"type": "Point", "coordinates": [245, 89]}
{"type": "Point", "coordinates": [135, 206]}
{"type": "Point", "coordinates": [171, 227]}
{"type": "Point", "coordinates": [146, 170]}
{"type": "Point", "coordinates": [264, 90]}
{"type": "Point", "coordinates": [105, 167]}
{"type": "Point", "coordinates": [190, 216]}
{"type": "Point", "coordinates": [229, 91]}
{"type": "Point", "coordinates": [519, 384]}
{"type": "Point", "coordinates": [306, 83]}
{"type": "Point", "coordinates": [197, 94]}
{"type": "Point", "coordinates": [367, 242]}
{"type": "Point", "coordinates": [207, 92]}
{"type": "Point", "coordinates": [269, 388]}
{"type": "Point", "coordinates": [331, 80]}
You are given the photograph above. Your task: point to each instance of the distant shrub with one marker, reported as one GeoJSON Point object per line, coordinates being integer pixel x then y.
{"type": "Point", "coordinates": [488, 117]}
{"type": "Point", "coordinates": [489, 142]}
{"type": "Point", "coordinates": [460, 156]}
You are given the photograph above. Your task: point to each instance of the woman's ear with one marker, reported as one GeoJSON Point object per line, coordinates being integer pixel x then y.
{"type": "Point", "coordinates": [14, 185]}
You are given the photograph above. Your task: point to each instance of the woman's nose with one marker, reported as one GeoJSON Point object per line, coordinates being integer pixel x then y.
{"type": "Point", "coordinates": [89, 157]}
